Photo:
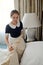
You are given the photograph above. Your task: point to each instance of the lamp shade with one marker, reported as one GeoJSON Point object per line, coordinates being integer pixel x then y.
{"type": "Point", "coordinates": [30, 20]}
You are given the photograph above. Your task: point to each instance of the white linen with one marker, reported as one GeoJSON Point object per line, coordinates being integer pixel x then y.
{"type": "Point", "coordinates": [8, 58]}
{"type": "Point", "coordinates": [33, 54]}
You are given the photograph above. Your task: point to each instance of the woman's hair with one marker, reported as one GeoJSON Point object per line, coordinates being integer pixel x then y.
{"type": "Point", "coordinates": [14, 12]}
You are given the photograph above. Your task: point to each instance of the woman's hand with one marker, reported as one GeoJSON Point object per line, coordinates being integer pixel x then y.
{"type": "Point", "coordinates": [11, 48]}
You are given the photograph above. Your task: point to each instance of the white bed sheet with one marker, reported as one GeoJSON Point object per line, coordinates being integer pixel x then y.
{"type": "Point", "coordinates": [33, 54]}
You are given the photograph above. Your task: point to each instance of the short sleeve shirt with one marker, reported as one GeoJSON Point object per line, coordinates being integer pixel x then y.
{"type": "Point", "coordinates": [14, 32]}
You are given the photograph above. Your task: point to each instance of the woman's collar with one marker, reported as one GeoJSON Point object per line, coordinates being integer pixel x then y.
{"type": "Point", "coordinates": [14, 26]}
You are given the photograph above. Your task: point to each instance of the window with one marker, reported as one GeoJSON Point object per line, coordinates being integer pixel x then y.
{"type": "Point", "coordinates": [5, 8]}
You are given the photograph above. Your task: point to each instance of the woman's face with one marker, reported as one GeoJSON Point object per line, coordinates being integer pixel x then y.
{"type": "Point", "coordinates": [15, 18]}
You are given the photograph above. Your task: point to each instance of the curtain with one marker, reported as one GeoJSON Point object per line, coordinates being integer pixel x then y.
{"type": "Point", "coordinates": [38, 10]}
{"type": "Point", "coordinates": [24, 6]}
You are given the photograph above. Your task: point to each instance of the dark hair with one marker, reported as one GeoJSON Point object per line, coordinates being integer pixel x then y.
{"type": "Point", "coordinates": [14, 11]}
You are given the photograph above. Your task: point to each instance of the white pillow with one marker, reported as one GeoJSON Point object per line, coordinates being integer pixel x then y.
{"type": "Point", "coordinates": [33, 54]}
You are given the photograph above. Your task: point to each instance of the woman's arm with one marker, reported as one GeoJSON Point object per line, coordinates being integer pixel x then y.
{"type": "Point", "coordinates": [23, 33]}
{"type": "Point", "coordinates": [8, 44]}
{"type": "Point", "coordinates": [6, 40]}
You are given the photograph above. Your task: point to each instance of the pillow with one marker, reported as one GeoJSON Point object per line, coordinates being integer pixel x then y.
{"type": "Point", "coordinates": [33, 54]}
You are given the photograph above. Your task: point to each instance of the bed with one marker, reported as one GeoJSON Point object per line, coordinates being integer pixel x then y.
{"type": "Point", "coordinates": [33, 55]}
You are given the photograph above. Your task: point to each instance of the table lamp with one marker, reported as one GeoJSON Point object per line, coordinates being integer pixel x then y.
{"type": "Point", "coordinates": [30, 22]}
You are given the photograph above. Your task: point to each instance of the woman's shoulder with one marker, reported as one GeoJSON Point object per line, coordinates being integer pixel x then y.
{"type": "Point", "coordinates": [7, 26]}
{"type": "Point", "coordinates": [21, 23]}
{"type": "Point", "coordinates": [7, 29]}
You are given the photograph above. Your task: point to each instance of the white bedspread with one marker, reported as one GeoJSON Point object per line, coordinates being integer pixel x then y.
{"type": "Point", "coordinates": [33, 54]}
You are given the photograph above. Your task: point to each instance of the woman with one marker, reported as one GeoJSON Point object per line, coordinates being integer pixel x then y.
{"type": "Point", "coordinates": [14, 34]}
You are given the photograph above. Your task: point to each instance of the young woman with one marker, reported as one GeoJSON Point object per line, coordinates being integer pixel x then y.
{"type": "Point", "coordinates": [14, 34]}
